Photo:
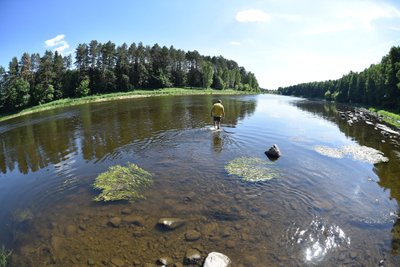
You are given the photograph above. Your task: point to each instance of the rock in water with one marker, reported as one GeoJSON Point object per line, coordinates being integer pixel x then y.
{"type": "Point", "coordinates": [193, 256]}
{"type": "Point", "coordinates": [273, 152]}
{"type": "Point", "coordinates": [171, 223]}
{"type": "Point", "coordinates": [216, 259]}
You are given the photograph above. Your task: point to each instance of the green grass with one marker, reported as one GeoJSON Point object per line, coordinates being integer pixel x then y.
{"type": "Point", "coordinates": [4, 255]}
{"type": "Point", "coordinates": [124, 95]}
{"type": "Point", "coordinates": [388, 117]}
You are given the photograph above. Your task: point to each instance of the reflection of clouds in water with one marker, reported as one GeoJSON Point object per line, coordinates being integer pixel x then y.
{"type": "Point", "coordinates": [356, 152]}
{"type": "Point", "coordinates": [318, 239]}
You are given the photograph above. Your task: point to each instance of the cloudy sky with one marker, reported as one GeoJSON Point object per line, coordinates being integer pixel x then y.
{"type": "Point", "coordinates": [283, 42]}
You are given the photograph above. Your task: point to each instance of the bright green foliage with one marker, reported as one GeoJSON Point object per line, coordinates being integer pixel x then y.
{"type": "Point", "coordinates": [83, 88]}
{"type": "Point", "coordinates": [4, 255]}
{"type": "Point", "coordinates": [122, 183]}
{"type": "Point", "coordinates": [252, 169]}
{"type": "Point", "coordinates": [208, 73]}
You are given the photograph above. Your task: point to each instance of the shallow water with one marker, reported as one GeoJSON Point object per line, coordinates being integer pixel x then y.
{"type": "Point", "coordinates": [319, 211]}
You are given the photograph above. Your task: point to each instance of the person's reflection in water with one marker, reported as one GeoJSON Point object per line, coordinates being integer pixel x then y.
{"type": "Point", "coordinates": [217, 142]}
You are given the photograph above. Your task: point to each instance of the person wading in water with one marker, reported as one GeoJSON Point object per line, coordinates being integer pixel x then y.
{"type": "Point", "coordinates": [217, 112]}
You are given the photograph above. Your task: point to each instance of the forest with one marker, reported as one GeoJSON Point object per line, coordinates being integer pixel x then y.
{"type": "Point", "coordinates": [376, 86]}
{"type": "Point", "coordinates": [101, 68]}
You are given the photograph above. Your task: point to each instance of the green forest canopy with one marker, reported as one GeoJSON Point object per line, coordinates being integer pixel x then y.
{"type": "Point", "coordinates": [378, 85]}
{"type": "Point", "coordinates": [106, 68]}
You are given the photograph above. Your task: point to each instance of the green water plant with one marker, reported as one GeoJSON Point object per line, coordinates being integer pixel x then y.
{"type": "Point", "coordinates": [122, 183]}
{"type": "Point", "coordinates": [4, 255]}
{"type": "Point", "coordinates": [252, 169]}
{"type": "Point", "coordinates": [22, 215]}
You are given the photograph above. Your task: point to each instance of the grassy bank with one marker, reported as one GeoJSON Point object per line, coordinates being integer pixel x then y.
{"type": "Point", "coordinates": [388, 117]}
{"type": "Point", "coordinates": [116, 96]}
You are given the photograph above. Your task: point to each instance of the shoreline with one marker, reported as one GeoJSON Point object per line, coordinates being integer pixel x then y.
{"type": "Point", "coordinates": [68, 102]}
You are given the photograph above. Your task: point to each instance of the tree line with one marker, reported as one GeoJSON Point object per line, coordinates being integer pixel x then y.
{"type": "Point", "coordinates": [377, 86]}
{"type": "Point", "coordinates": [105, 68]}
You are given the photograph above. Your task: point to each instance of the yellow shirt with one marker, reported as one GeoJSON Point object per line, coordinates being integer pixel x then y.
{"type": "Point", "coordinates": [218, 110]}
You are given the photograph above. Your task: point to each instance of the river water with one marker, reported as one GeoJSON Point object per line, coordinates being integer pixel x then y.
{"type": "Point", "coordinates": [318, 210]}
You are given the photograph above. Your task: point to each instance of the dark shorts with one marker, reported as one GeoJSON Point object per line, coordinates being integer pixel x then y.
{"type": "Point", "coordinates": [217, 119]}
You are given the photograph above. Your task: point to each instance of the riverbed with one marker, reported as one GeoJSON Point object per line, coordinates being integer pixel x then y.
{"type": "Point", "coordinates": [315, 210]}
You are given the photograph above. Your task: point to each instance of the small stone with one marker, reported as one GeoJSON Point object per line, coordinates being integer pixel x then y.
{"type": "Point", "coordinates": [133, 219]}
{"type": "Point", "coordinates": [90, 262]}
{"type": "Point", "coordinates": [126, 211]}
{"type": "Point", "coordinates": [230, 244]}
{"type": "Point", "coordinates": [117, 262]}
{"type": "Point", "coordinates": [115, 221]}
{"type": "Point", "coordinates": [225, 232]}
{"type": "Point", "coordinates": [342, 256]}
{"type": "Point", "coordinates": [171, 223]}
{"type": "Point", "coordinates": [138, 233]}
{"type": "Point", "coordinates": [192, 256]}
{"type": "Point", "coordinates": [192, 235]}
{"type": "Point", "coordinates": [164, 261]}
{"type": "Point", "coordinates": [70, 230]}
{"type": "Point", "coordinates": [353, 255]}
{"type": "Point", "coordinates": [216, 259]}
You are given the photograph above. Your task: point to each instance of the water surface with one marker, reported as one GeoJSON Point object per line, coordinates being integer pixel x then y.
{"type": "Point", "coordinates": [319, 211]}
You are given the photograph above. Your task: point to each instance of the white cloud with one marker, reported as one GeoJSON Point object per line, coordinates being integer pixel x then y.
{"type": "Point", "coordinates": [57, 43]}
{"type": "Point", "coordinates": [234, 43]}
{"type": "Point", "coordinates": [252, 15]}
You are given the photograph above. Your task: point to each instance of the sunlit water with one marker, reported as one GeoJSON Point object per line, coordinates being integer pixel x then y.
{"type": "Point", "coordinates": [319, 211]}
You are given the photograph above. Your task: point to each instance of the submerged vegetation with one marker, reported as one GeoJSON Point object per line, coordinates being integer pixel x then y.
{"type": "Point", "coordinates": [122, 183]}
{"type": "Point", "coordinates": [4, 255]}
{"type": "Point", "coordinates": [252, 169]}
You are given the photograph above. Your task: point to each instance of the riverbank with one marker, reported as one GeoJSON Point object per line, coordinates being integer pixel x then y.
{"type": "Point", "coordinates": [388, 117]}
{"type": "Point", "coordinates": [117, 96]}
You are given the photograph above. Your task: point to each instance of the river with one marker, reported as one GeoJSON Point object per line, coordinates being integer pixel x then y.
{"type": "Point", "coordinates": [317, 210]}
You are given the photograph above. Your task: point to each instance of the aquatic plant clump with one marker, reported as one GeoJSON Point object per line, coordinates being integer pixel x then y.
{"type": "Point", "coordinates": [251, 169]}
{"type": "Point", "coordinates": [122, 183]}
{"type": "Point", "coordinates": [361, 153]}
{"type": "Point", "coordinates": [4, 255]}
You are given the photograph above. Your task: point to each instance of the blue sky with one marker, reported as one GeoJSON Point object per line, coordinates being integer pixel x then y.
{"type": "Point", "coordinates": [283, 42]}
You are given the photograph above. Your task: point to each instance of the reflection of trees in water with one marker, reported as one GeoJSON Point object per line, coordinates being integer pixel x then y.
{"type": "Point", "coordinates": [96, 130]}
{"type": "Point", "coordinates": [389, 173]}
{"type": "Point", "coordinates": [34, 146]}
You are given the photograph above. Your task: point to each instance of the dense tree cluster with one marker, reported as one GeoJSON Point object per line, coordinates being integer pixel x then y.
{"type": "Point", "coordinates": [378, 85]}
{"type": "Point", "coordinates": [105, 68]}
